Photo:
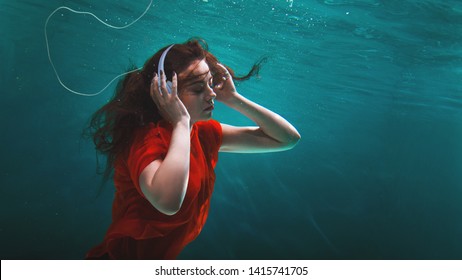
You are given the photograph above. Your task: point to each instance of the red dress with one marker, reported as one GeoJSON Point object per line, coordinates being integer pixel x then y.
{"type": "Point", "coordinates": [140, 231]}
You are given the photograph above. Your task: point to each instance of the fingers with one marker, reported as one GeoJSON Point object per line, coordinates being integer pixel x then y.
{"type": "Point", "coordinates": [154, 90]}
{"type": "Point", "coordinates": [159, 88]}
{"type": "Point", "coordinates": [225, 71]}
{"type": "Point", "coordinates": [219, 86]}
{"type": "Point", "coordinates": [170, 106]}
{"type": "Point", "coordinates": [222, 67]}
{"type": "Point", "coordinates": [167, 88]}
{"type": "Point", "coordinates": [226, 76]}
{"type": "Point", "coordinates": [159, 91]}
{"type": "Point", "coordinates": [163, 84]}
{"type": "Point", "coordinates": [174, 84]}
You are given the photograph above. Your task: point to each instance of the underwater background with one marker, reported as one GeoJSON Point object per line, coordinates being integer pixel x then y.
{"type": "Point", "coordinates": [373, 86]}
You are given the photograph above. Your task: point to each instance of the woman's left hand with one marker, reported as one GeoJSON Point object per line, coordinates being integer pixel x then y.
{"type": "Point", "coordinates": [225, 90]}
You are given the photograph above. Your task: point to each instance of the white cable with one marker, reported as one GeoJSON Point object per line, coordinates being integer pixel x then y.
{"type": "Point", "coordinates": [108, 25]}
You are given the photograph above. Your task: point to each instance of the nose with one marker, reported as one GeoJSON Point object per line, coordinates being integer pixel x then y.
{"type": "Point", "coordinates": [211, 95]}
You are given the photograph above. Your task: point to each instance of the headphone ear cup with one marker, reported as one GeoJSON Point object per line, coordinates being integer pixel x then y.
{"type": "Point", "coordinates": [169, 86]}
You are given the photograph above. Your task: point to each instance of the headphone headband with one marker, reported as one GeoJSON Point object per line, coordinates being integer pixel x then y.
{"type": "Point", "coordinates": [161, 68]}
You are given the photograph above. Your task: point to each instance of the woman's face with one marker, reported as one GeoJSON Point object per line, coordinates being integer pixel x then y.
{"type": "Point", "coordinates": [197, 93]}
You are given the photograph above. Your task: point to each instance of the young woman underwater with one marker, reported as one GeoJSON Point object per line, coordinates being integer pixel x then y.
{"type": "Point", "coordinates": [162, 144]}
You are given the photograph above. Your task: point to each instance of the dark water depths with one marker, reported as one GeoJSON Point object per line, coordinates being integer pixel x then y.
{"type": "Point", "coordinates": [374, 88]}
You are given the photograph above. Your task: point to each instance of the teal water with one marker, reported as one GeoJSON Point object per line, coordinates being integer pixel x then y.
{"type": "Point", "coordinates": [374, 88]}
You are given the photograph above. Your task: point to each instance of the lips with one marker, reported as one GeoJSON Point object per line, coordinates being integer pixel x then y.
{"type": "Point", "coordinates": [210, 108]}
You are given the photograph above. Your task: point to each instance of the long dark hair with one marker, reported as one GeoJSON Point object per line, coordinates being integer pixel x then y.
{"type": "Point", "coordinates": [112, 126]}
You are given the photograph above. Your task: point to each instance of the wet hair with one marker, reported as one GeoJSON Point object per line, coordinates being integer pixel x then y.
{"type": "Point", "coordinates": [113, 125]}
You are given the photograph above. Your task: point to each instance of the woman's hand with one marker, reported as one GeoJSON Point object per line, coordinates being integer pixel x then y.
{"type": "Point", "coordinates": [225, 90]}
{"type": "Point", "coordinates": [164, 182]}
{"type": "Point", "coordinates": [169, 104]}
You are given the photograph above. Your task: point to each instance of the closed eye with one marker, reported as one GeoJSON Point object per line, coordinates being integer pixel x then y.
{"type": "Point", "coordinates": [199, 86]}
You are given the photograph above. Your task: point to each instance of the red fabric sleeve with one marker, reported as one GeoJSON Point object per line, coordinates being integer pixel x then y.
{"type": "Point", "coordinates": [217, 133]}
{"type": "Point", "coordinates": [211, 135]}
{"type": "Point", "coordinates": [216, 140]}
{"type": "Point", "coordinates": [148, 145]}
{"type": "Point", "coordinates": [152, 142]}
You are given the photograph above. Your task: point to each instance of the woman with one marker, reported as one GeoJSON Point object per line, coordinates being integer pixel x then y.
{"type": "Point", "coordinates": [161, 142]}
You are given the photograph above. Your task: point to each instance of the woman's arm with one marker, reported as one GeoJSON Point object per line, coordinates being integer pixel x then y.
{"type": "Point", "coordinates": [164, 182]}
{"type": "Point", "coordinates": [272, 133]}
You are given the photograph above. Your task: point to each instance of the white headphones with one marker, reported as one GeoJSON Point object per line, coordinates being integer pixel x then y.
{"type": "Point", "coordinates": [161, 68]}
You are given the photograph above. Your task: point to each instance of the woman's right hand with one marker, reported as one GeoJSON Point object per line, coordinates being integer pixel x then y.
{"type": "Point", "coordinates": [169, 104]}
